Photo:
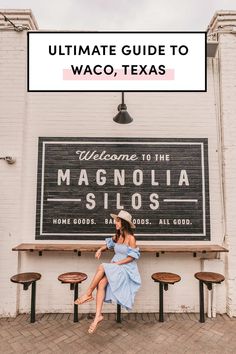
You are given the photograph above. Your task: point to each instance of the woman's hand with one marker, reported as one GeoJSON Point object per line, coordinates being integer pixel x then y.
{"type": "Point", "coordinates": [98, 253]}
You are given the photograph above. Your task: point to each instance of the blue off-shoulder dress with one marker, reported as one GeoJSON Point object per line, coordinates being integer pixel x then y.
{"type": "Point", "coordinates": [123, 279]}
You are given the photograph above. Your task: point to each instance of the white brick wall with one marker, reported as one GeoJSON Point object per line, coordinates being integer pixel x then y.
{"type": "Point", "coordinates": [26, 116]}
{"type": "Point", "coordinates": [12, 103]}
{"type": "Point", "coordinates": [228, 80]}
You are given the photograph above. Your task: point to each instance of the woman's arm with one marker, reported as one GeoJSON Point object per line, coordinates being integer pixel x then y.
{"type": "Point", "coordinates": [109, 244]}
{"type": "Point", "coordinates": [99, 251]}
{"type": "Point", "coordinates": [125, 260]}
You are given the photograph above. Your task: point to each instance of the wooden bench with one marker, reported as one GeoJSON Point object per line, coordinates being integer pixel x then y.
{"type": "Point", "coordinates": [83, 248]}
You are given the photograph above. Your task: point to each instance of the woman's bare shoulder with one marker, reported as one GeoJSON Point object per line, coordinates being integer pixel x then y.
{"type": "Point", "coordinates": [132, 241]}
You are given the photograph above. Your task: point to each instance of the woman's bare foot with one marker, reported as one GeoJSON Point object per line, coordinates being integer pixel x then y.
{"type": "Point", "coordinates": [84, 298]}
{"type": "Point", "coordinates": [94, 324]}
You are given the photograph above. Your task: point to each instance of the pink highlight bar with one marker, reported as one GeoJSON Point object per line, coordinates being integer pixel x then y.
{"type": "Point", "coordinates": [68, 75]}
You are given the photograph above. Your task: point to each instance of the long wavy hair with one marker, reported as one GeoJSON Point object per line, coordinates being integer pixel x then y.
{"type": "Point", "coordinates": [125, 227]}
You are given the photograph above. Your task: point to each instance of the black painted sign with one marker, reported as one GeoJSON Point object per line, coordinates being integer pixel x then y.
{"type": "Point", "coordinates": [163, 183]}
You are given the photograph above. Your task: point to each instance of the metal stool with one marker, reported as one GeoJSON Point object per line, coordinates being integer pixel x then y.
{"type": "Point", "coordinates": [27, 279]}
{"type": "Point", "coordinates": [73, 278]}
{"type": "Point", "coordinates": [164, 279]}
{"type": "Point", "coordinates": [208, 279]}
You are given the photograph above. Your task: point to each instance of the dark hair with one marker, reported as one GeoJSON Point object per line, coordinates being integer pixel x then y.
{"type": "Point", "coordinates": [125, 226]}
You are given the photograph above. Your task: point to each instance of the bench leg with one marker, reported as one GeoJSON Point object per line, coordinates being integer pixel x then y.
{"type": "Point", "coordinates": [76, 319]}
{"type": "Point", "coordinates": [161, 315]}
{"type": "Point", "coordinates": [118, 314]}
{"type": "Point", "coordinates": [201, 297]}
{"type": "Point", "coordinates": [33, 296]}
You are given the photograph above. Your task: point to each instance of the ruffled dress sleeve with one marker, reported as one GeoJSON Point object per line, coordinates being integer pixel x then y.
{"type": "Point", "coordinates": [109, 242]}
{"type": "Point", "coordinates": [133, 252]}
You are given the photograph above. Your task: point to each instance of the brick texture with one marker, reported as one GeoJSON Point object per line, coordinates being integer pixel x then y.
{"type": "Point", "coordinates": [138, 333]}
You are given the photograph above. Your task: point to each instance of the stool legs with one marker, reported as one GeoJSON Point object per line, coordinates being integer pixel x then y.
{"type": "Point", "coordinates": [76, 318]}
{"type": "Point", "coordinates": [118, 314]}
{"type": "Point", "coordinates": [161, 311]}
{"type": "Point", "coordinates": [33, 297]}
{"type": "Point", "coordinates": [201, 298]}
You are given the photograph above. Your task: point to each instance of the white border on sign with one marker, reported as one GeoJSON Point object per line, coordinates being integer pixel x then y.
{"type": "Point", "coordinates": [131, 143]}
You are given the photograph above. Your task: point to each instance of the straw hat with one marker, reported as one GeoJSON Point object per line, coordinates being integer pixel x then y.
{"type": "Point", "coordinates": [125, 216]}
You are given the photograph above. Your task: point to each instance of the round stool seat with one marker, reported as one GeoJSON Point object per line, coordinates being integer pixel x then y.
{"type": "Point", "coordinates": [72, 278]}
{"type": "Point", "coordinates": [166, 278]}
{"type": "Point", "coordinates": [209, 277]}
{"type": "Point", "coordinates": [25, 277]}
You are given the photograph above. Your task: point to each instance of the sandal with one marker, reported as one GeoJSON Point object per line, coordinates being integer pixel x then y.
{"type": "Point", "coordinates": [94, 325]}
{"type": "Point", "coordinates": [83, 299]}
